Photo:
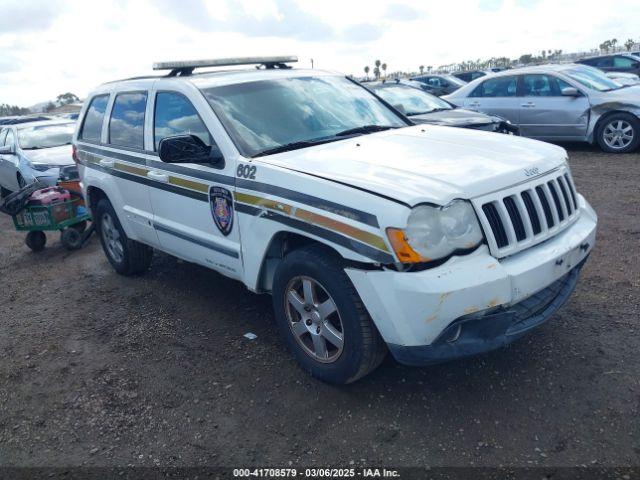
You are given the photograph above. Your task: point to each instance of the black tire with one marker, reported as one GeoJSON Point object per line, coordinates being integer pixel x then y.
{"type": "Point", "coordinates": [363, 349]}
{"type": "Point", "coordinates": [611, 120]}
{"type": "Point", "coordinates": [4, 192]}
{"type": "Point", "coordinates": [36, 241]}
{"type": "Point", "coordinates": [136, 257]}
{"type": "Point", "coordinates": [21, 182]}
{"type": "Point", "coordinates": [71, 238]}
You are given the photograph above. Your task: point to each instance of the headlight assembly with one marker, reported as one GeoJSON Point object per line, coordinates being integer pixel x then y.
{"type": "Point", "coordinates": [433, 233]}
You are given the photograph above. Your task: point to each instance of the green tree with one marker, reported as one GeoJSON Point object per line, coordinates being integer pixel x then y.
{"type": "Point", "coordinates": [67, 98]}
{"type": "Point", "coordinates": [384, 69]}
{"type": "Point", "coordinates": [526, 59]}
{"type": "Point", "coordinates": [629, 44]}
{"type": "Point", "coordinates": [366, 71]}
{"type": "Point", "coordinates": [421, 67]}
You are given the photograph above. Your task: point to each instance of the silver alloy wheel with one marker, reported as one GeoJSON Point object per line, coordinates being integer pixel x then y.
{"type": "Point", "coordinates": [111, 238]}
{"type": "Point", "coordinates": [314, 319]}
{"type": "Point", "coordinates": [618, 134]}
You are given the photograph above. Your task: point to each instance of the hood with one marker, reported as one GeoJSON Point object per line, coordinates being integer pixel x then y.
{"type": "Point", "coordinates": [55, 155]}
{"type": "Point", "coordinates": [620, 98]}
{"type": "Point", "coordinates": [425, 163]}
{"type": "Point", "coordinates": [458, 117]}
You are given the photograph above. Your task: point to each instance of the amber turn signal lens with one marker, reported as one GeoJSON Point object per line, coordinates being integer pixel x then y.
{"type": "Point", "coordinates": [403, 250]}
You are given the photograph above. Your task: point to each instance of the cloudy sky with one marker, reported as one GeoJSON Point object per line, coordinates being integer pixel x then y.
{"type": "Point", "coordinates": [53, 46]}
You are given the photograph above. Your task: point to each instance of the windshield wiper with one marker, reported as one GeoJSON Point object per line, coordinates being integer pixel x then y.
{"type": "Point", "coordinates": [294, 146]}
{"type": "Point", "coordinates": [364, 129]}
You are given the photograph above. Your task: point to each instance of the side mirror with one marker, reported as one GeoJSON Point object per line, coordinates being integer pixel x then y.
{"type": "Point", "coordinates": [570, 92]}
{"type": "Point", "coordinates": [7, 150]}
{"type": "Point", "coordinates": [400, 108]}
{"type": "Point", "coordinates": [188, 149]}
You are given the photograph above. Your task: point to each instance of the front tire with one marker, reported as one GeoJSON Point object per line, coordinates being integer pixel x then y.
{"type": "Point", "coordinates": [322, 318]}
{"type": "Point", "coordinates": [126, 256]}
{"type": "Point", "coordinates": [619, 133]}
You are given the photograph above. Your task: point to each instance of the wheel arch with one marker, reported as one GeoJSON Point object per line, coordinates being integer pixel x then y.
{"type": "Point", "coordinates": [603, 117]}
{"type": "Point", "coordinates": [280, 244]}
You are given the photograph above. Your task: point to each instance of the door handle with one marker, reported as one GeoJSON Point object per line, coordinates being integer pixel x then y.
{"type": "Point", "coordinates": [158, 177]}
{"type": "Point", "coordinates": [528, 105]}
{"type": "Point", "coordinates": [107, 162]}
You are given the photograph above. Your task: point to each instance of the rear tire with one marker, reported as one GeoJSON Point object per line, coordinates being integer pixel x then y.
{"type": "Point", "coordinates": [36, 241]}
{"type": "Point", "coordinates": [305, 326]}
{"type": "Point", "coordinates": [619, 133]}
{"type": "Point", "coordinates": [126, 256]}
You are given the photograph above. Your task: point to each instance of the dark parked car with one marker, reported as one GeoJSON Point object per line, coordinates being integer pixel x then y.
{"type": "Point", "coordinates": [471, 75]}
{"type": "Point", "coordinates": [443, 84]}
{"type": "Point", "coordinates": [421, 107]}
{"type": "Point", "coordinates": [619, 62]}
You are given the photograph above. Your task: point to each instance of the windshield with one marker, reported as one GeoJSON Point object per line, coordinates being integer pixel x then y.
{"type": "Point", "coordinates": [267, 114]}
{"type": "Point", "coordinates": [592, 78]}
{"type": "Point", "coordinates": [412, 100]}
{"type": "Point", "coordinates": [45, 136]}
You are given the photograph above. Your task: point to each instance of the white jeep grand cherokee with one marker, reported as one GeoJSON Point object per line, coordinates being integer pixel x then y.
{"type": "Point", "coordinates": [371, 234]}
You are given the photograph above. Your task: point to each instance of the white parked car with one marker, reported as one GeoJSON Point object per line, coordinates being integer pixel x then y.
{"type": "Point", "coordinates": [371, 234]}
{"type": "Point", "coordinates": [34, 151]}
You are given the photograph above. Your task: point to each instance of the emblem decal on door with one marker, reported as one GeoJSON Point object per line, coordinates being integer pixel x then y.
{"type": "Point", "coordinates": [221, 202]}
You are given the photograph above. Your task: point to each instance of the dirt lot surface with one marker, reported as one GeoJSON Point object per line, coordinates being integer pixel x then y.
{"type": "Point", "coordinates": [97, 369]}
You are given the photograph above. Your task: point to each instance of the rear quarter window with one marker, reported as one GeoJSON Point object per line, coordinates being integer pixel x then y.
{"type": "Point", "coordinates": [92, 123]}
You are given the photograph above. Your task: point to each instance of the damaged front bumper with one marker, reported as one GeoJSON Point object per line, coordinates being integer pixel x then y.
{"type": "Point", "coordinates": [474, 334]}
{"type": "Point", "coordinates": [475, 303]}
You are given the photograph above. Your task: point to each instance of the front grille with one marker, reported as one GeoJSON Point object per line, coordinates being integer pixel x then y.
{"type": "Point", "coordinates": [520, 217]}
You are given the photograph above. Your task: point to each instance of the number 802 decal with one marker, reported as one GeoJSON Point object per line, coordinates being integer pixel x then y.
{"type": "Point", "coordinates": [246, 171]}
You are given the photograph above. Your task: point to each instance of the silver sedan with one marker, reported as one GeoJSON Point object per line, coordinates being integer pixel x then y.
{"type": "Point", "coordinates": [560, 103]}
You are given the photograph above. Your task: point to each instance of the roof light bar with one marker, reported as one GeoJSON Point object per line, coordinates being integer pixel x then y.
{"type": "Point", "coordinates": [189, 65]}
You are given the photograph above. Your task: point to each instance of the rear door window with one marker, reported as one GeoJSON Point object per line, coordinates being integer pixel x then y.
{"type": "Point", "coordinates": [126, 125]}
{"type": "Point", "coordinates": [92, 124]}
{"type": "Point", "coordinates": [497, 87]}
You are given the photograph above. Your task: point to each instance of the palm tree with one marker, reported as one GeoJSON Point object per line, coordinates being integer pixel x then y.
{"type": "Point", "coordinates": [629, 44]}
{"type": "Point", "coordinates": [366, 71]}
{"type": "Point", "coordinates": [421, 67]}
{"type": "Point", "coordinates": [376, 71]}
{"type": "Point", "coordinates": [384, 69]}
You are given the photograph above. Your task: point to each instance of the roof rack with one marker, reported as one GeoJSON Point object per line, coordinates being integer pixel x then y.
{"type": "Point", "coordinates": [181, 68]}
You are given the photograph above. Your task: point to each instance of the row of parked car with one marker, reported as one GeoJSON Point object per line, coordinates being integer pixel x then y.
{"type": "Point", "coordinates": [564, 102]}
{"type": "Point", "coordinates": [596, 100]}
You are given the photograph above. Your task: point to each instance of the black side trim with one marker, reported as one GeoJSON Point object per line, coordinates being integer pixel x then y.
{"type": "Point", "coordinates": [197, 241]}
{"type": "Point", "coordinates": [321, 203]}
{"type": "Point", "coordinates": [327, 205]}
{"type": "Point", "coordinates": [120, 156]}
{"type": "Point", "coordinates": [150, 183]}
{"type": "Point", "coordinates": [328, 235]}
{"type": "Point", "coordinates": [191, 172]}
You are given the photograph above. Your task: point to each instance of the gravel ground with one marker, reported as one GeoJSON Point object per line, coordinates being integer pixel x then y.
{"type": "Point", "coordinates": [101, 370]}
